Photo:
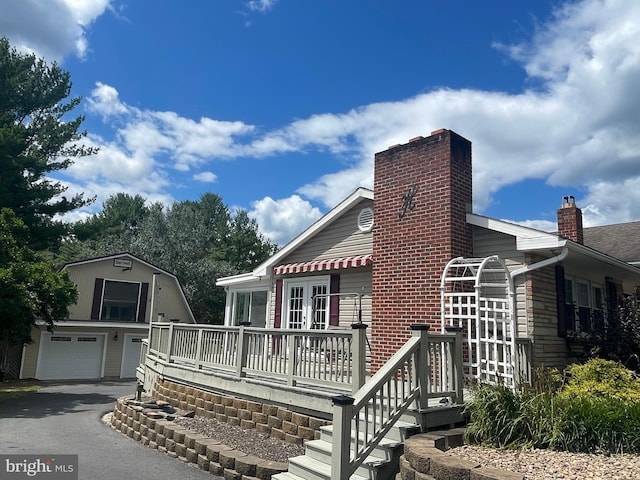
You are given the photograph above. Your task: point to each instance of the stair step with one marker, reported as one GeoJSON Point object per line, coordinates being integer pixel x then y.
{"type": "Point", "coordinates": [398, 433]}
{"type": "Point", "coordinates": [286, 476]}
{"type": "Point", "coordinates": [321, 451]}
{"type": "Point", "coordinates": [311, 469]}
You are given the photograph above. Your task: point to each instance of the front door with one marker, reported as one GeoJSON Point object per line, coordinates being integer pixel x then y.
{"type": "Point", "coordinates": [306, 304]}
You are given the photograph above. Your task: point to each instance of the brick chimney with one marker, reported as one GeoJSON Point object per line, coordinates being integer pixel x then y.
{"type": "Point", "coordinates": [570, 220]}
{"type": "Point", "coordinates": [422, 193]}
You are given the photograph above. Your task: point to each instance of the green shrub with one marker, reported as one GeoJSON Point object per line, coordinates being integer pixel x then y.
{"type": "Point", "coordinates": [595, 408]}
{"type": "Point", "coordinates": [601, 405]}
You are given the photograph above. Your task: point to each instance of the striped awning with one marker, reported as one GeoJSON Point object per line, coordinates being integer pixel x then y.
{"type": "Point", "coordinates": [320, 265]}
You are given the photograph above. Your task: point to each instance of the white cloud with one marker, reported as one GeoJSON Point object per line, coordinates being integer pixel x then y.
{"type": "Point", "coordinates": [577, 129]}
{"type": "Point", "coordinates": [206, 177]}
{"type": "Point", "coordinates": [52, 29]}
{"type": "Point", "coordinates": [577, 126]}
{"type": "Point", "coordinates": [281, 220]}
{"type": "Point", "coordinates": [261, 6]}
{"type": "Point", "coordinates": [104, 100]}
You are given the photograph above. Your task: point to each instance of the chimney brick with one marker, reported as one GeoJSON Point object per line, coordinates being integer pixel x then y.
{"type": "Point", "coordinates": [570, 220]}
{"type": "Point", "coordinates": [422, 192]}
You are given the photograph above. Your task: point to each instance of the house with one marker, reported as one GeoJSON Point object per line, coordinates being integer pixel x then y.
{"type": "Point", "coordinates": [412, 251]}
{"type": "Point", "coordinates": [101, 338]}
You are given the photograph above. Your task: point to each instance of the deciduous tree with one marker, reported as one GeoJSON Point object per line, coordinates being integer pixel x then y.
{"type": "Point", "coordinates": [30, 289]}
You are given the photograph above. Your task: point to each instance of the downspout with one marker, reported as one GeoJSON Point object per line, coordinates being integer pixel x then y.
{"type": "Point", "coordinates": [529, 268]}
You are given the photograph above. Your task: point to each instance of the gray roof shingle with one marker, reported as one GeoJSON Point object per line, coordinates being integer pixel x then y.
{"type": "Point", "coordinates": [621, 240]}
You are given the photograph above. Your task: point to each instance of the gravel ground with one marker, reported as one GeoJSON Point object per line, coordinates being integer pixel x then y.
{"type": "Point", "coordinates": [551, 465]}
{"type": "Point", "coordinates": [248, 440]}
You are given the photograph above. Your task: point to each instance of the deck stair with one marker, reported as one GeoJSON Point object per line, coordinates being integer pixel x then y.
{"type": "Point", "coordinates": [382, 463]}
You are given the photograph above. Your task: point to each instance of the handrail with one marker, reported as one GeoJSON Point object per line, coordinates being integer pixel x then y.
{"type": "Point", "coordinates": [426, 366]}
{"type": "Point", "coordinates": [328, 358]}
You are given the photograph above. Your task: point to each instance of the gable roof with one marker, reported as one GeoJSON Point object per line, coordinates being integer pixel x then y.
{"type": "Point", "coordinates": [621, 240]}
{"type": "Point", "coordinates": [264, 269]}
{"type": "Point", "coordinates": [136, 259]}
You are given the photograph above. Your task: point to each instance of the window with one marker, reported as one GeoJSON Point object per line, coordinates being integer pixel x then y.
{"type": "Point", "coordinates": [584, 305]}
{"type": "Point", "coordinates": [250, 306]}
{"type": "Point", "coordinates": [306, 303]}
{"type": "Point", "coordinates": [120, 301]}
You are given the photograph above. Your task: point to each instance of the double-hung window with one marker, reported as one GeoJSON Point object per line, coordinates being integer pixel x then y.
{"type": "Point", "coordinates": [585, 305]}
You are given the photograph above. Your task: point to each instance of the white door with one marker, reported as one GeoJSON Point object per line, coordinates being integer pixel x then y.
{"type": "Point", "coordinates": [70, 356]}
{"type": "Point", "coordinates": [130, 354]}
{"type": "Point", "coordinates": [306, 304]}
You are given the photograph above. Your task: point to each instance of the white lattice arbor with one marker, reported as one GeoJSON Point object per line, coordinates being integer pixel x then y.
{"type": "Point", "coordinates": [477, 295]}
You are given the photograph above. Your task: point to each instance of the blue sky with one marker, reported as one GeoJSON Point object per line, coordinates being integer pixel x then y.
{"type": "Point", "coordinates": [278, 106]}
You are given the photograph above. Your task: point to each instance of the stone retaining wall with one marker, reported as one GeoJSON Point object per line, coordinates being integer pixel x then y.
{"type": "Point", "coordinates": [207, 453]}
{"type": "Point", "coordinates": [424, 459]}
{"type": "Point", "coordinates": [267, 419]}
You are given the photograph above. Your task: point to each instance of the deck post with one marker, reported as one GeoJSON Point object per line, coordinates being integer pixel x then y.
{"type": "Point", "coordinates": [358, 355]}
{"type": "Point", "coordinates": [241, 353]}
{"type": "Point", "coordinates": [341, 438]}
{"type": "Point", "coordinates": [198, 362]}
{"type": "Point", "coordinates": [456, 363]}
{"type": "Point", "coordinates": [170, 342]}
{"type": "Point", "coordinates": [292, 359]}
{"type": "Point", "coordinates": [422, 364]}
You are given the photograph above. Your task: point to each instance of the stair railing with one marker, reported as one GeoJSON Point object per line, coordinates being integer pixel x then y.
{"type": "Point", "coordinates": [426, 366]}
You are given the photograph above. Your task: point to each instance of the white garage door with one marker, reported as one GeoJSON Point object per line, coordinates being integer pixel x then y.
{"type": "Point", "coordinates": [68, 356]}
{"type": "Point", "coordinates": [131, 355]}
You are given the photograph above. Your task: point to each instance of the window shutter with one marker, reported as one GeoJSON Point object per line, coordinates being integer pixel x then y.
{"type": "Point", "coordinates": [97, 299]}
{"type": "Point", "coordinates": [561, 301]}
{"type": "Point", "coordinates": [142, 303]}
{"type": "Point", "coordinates": [334, 301]}
{"type": "Point", "coordinates": [277, 321]}
{"type": "Point", "coordinates": [612, 298]}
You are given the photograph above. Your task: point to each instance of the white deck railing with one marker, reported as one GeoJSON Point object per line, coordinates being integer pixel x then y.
{"type": "Point", "coordinates": [328, 358]}
{"type": "Point", "coordinates": [428, 366]}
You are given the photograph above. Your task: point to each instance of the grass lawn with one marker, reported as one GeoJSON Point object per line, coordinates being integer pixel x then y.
{"type": "Point", "coordinates": [15, 388]}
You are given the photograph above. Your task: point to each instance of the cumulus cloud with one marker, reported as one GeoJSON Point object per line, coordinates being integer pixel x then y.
{"type": "Point", "coordinates": [577, 128]}
{"type": "Point", "coordinates": [51, 29]}
{"type": "Point", "coordinates": [281, 220]}
{"type": "Point", "coordinates": [206, 177]}
{"type": "Point", "coordinates": [576, 125]}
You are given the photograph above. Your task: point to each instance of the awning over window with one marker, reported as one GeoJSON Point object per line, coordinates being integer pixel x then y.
{"type": "Point", "coordinates": [320, 265]}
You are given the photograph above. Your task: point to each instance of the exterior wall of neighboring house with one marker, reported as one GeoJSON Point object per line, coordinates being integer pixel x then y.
{"type": "Point", "coordinates": [92, 342]}
{"type": "Point", "coordinates": [167, 300]}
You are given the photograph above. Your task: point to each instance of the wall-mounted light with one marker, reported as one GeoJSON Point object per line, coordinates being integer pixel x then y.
{"type": "Point", "coordinates": [115, 337]}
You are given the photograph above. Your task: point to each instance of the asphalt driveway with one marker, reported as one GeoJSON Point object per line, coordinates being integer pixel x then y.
{"type": "Point", "coordinates": [65, 418]}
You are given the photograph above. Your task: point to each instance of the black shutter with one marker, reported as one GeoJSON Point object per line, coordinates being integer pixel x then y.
{"type": "Point", "coordinates": [97, 299]}
{"type": "Point", "coordinates": [277, 321]}
{"type": "Point", "coordinates": [142, 305]}
{"type": "Point", "coordinates": [561, 297]}
{"type": "Point", "coordinates": [334, 301]}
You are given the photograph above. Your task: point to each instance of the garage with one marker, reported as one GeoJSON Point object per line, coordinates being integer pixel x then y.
{"type": "Point", "coordinates": [70, 356]}
{"type": "Point", "coordinates": [131, 355]}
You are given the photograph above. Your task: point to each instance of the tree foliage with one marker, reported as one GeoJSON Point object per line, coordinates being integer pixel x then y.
{"type": "Point", "coordinates": [37, 138]}
{"type": "Point", "coordinates": [198, 241]}
{"type": "Point", "coordinates": [30, 289]}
